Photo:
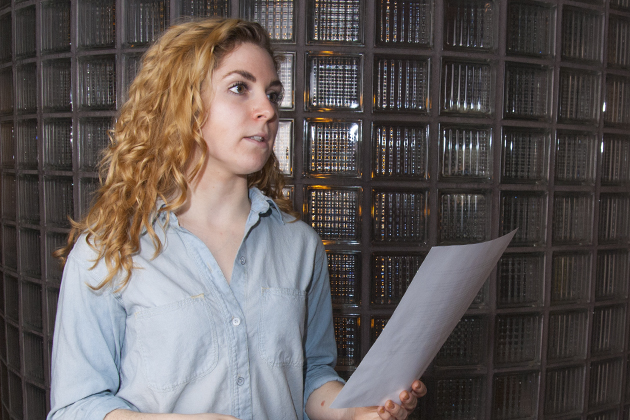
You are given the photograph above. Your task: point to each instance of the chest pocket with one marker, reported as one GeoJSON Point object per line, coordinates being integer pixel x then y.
{"type": "Point", "coordinates": [282, 325]}
{"type": "Point", "coordinates": [178, 343]}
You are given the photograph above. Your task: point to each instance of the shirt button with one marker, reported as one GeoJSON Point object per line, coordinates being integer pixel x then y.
{"type": "Point", "coordinates": [242, 260]}
{"type": "Point", "coordinates": [236, 321]}
{"type": "Point", "coordinates": [240, 381]}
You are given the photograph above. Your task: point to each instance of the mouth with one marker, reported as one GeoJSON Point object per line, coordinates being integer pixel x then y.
{"type": "Point", "coordinates": [259, 139]}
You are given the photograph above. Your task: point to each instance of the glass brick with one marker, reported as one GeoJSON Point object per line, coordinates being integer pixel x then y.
{"type": "Point", "coordinates": [56, 19]}
{"type": "Point", "coordinates": [530, 29]}
{"type": "Point", "coordinates": [9, 246]}
{"type": "Point", "coordinates": [9, 197]}
{"type": "Point", "coordinates": [335, 21]}
{"type": "Point", "coordinates": [515, 395]}
{"type": "Point", "coordinates": [466, 345]}
{"type": "Point", "coordinates": [570, 277]}
{"type": "Point", "coordinates": [12, 298]}
{"type": "Point", "coordinates": [618, 41]}
{"type": "Point", "coordinates": [405, 22]}
{"type": "Point", "coordinates": [16, 398]}
{"type": "Point", "coordinates": [283, 146]}
{"type": "Point", "coordinates": [469, 25]}
{"type": "Point", "coordinates": [604, 415]}
{"type": "Point", "coordinates": [61, 206]}
{"type": "Point", "coordinates": [391, 275]}
{"type": "Point", "coordinates": [615, 169]}
{"type": "Point", "coordinates": [579, 95]}
{"type": "Point", "coordinates": [399, 216]}
{"type": "Point", "coordinates": [344, 269]}
{"type": "Point", "coordinates": [612, 274]}
{"type": "Point", "coordinates": [400, 151]}
{"type": "Point", "coordinates": [57, 89]}
{"type": "Point", "coordinates": [527, 91]}
{"type": "Point", "coordinates": [27, 144]}
{"type": "Point", "coordinates": [564, 393]}
{"type": "Point", "coordinates": [34, 357]}
{"type": "Point", "coordinates": [567, 335]}
{"type": "Point", "coordinates": [334, 213]}
{"type": "Point", "coordinates": [377, 324]}
{"type": "Point", "coordinates": [520, 280]}
{"type": "Point", "coordinates": [517, 339]}
{"type": "Point", "coordinates": [576, 155]}
{"type": "Point", "coordinates": [6, 91]}
{"type": "Point", "coordinates": [277, 16]}
{"type": "Point", "coordinates": [32, 306]}
{"type": "Point", "coordinates": [93, 139]}
{"type": "Point", "coordinates": [463, 217]}
{"type": "Point", "coordinates": [6, 35]}
{"type": "Point", "coordinates": [465, 152]}
{"type": "Point", "coordinates": [605, 383]}
{"type": "Point", "coordinates": [146, 20]}
{"type": "Point", "coordinates": [333, 147]}
{"type": "Point", "coordinates": [460, 398]}
{"type": "Point", "coordinates": [614, 217]}
{"type": "Point", "coordinates": [26, 89]}
{"type": "Point", "coordinates": [334, 82]}
{"type": "Point", "coordinates": [52, 298]}
{"type": "Point", "coordinates": [206, 8]}
{"type": "Point", "coordinates": [401, 84]}
{"type": "Point", "coordinates": [58, 139]}
{"type": "Point", "coordinates": [133, 63]}
{"type": "Point", "coordinates": [617, 105]}
{"type": "Point", "coordinates": [28, 198]}
{"type": "Point", "coordinates": [7, 141]}
{"type": "Point", "coordinates": [25, 30]}
{"type": "Point", "coordinates": [609, 324]}
{"type": "Point", "coordinates": [97, 82]}
{"type": "Point", "coordinates": [467, 88]}
{"type": "Point", "coordinates": [54, 241]}
{"type": "Point", "coordinates": [286, 73]}
{"type": "Point", "coordinates": [97, 23]}
{"type": "Point", "coordinates": [582, 33]}
{"type": "Point", "coordinates": [30, 252]}
{"type": "Point", "coordinates": [572, 218]}
{"type": "Point", "coordinates": [13, 347]}
{"type": "Point", "coordinates": [526, 211]}
{"type": "Point", "coordinates": [35, 402]}
{"type": "Point", "coordinates": [89, 187]}
{"type": "Point", "coordinates": [348, 340]}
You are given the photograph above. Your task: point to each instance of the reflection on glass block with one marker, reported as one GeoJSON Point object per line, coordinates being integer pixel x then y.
{"type": "Point", "coordinates": [54, 241]}
{"type": "Point", "coordinates": [334, 213]}
{"type": "Point", "coordinates": [58, 196]}
{"type": "Point", "coordinates": [515, 395]}
{"type": "Point", "coordinates": [28, 199]}
{"type": "Point", "coordinates": [517, 338]}
{"type": "Point", "coordinates": [334, 82]}
{"type": "Point", "coordinates": [26, 88]}
{"type": "Point", "coordinates": [466, 345]}
{"type": "Point", "coordinates": [609, 324]}
{"type": "Point", "coordinates": [6, 90]}
{"type": "Point", "coordinates": [6, 37]}
{"type": "Point", "coordinates": [399, 150]}
{"type": "Point", "coordinates": [614, 217]}
{"type": "Point", "coordinates": [55, 26]}
{"type": "Point", "coordinates": [520, 280]}
{"type": "Point", "coordinates": [276, 16]}
{"type": "Point", "coordinates": [401, 84]}
{"type": "Point", "coordinates": [576, 155]}
{"type": "Point", "coordinates": [466, 152]}
{"type": "Point", "coordinates": [376, 327]}
{"type": "Point", "coordinates": [286, 73]}
{"type": "Point", "coordinates": [571, 277]}
{"type": "Point", "coordinates": [27, 144]}
{"type": "Point", "coordinates": [348, 340]}
{"type": "Point", "coordinates": [93, 138]}
{"type": "Point", "coordinates": [617, 106]}
{"type": "Point", "coordinates": [146, 20]}
{"type": "Point", "coordinates": [605, 384]}
{"type": "Point", "coordinates": [7, 142]}
{"type": "Point", "coordinates": [97, 23]}
{"type": "Point", "coordinates": [25, 30]}
{"type": "Point", "coordinates": [391, 275]}
{"type": "Point", "coordinates": [405, 22]}
{"type": "Point", "coordinates": [463, 217]}
{"type": "Point", "coordinates": [572, 218]}
{"type": "Point", "coordinates": [345, 276]}
{"type": "Point", "coordinates": [283, 146]}
{"type": "Point", "coordinates": [206, 8]}
{"type": "Point", "coordinates": [30, 254]}
{"type": "Point", "coordinates": [32, 306]}
{"type": "Point", "coordinates": [527, 91]}
{"type": "Point", "coordinates": [618, 41]}
{"type": "Point", "coordinates": [615, 167]}
{"type": "Point", "coordinates": [399, 216]}
{"type": "Point", "coordinates": [288, 192]}
{"type": "Point", "coordinates": [9, 197]}
{"type": "Point", "coordinates": [57, 85]}
{"type": "Point", "coordinates": [564, 392]}
{"type": "Point", "coordinates": [35, 402]}
{"type": "Point", "coordinates": [612, 274]}
{"type": "Point", "coordinates": [58, 144]}
{"type": "Point", "coordinates": [567, 335]}
{"type": "Point", "coordinates": [467, 88]}
{"type": "Point", "coordinates": [9, 247]}
{"type": "Point", "coordinates": [97, 82]}
{"type": "Point", "coordinates": [88, 194]}
{"type": "Point", "coordinates": [332, 147]}
{"type": "Point", "coordinates": [335, 21]}
{"type": "Point", "coordinates": [579, 96]}
{"type": "Point", "coordinates": [525, 155]}
{"type": "Point", "coordinates": [530, 29]}
{"type": "Point", "coordinates": [582, 32]}
{"type": "Point", "coordinates": [133, 63]}
{"type": "Point", "coordinates": [469, 24]}
{"type": "Point", "coordinates": [460, 398]}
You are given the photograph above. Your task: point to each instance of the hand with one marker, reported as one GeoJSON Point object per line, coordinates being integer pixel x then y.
{"type": "Point", "coordinates": [391, 410]}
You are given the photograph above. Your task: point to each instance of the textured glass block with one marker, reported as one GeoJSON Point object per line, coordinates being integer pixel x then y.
{"type": "Point", "coordinates": [401, 84]}
{"type": "Point", "coordinates": [576, 155]}
{"type": "Point", "coordinates": [515, 395]}
{"type": "Point", "coordinates": [334, 213]}
{"type": "Point", "coordinates": [520, 280]}
{"type": "Point", "coordinates": [469, 24]}
{"type": "Point", "coordinates": [530, 29]}
{"type": "Point", "coordinates": [620, 4]}
{"type": "Point", "coordinates": [52, 299]}
{"type": "Point", "coordinates": [463, 217]}
{"type": "Point", "coordinates": [9, 247]}
{"type": "Point", "coordinates": [25, 30]}
{"type": "Point", "coordinates": [56, 26]}
{"type": "Point", "coordinates": [466, 345]}
{"type": "Point", "coordinates": [58, 196]}
{"type": "Point", "coordinates": [146, 20]}
{"type": "Point", "coordinates": [16, 398]}
{"type": "Point", "coordinates": [612, 274]}
{"type": "Point", "coordinates": [605, 384]}
{"type": "Point", "coordinates": [335, 21]}
{"type": "Point", "coordinates": [30, 252]}
{"type": "Point", "coordinates": [617, 106]}
{"type": "Point", "coordinates": [286, 73]}
{"type": "Point", "coordinates": [614, 218]}
{"type": "Point", "coordinates": [12, 298]}
{"type": "Point", "coordinates": [564, 392]}
{"type": "Point", "coordinates": [57, 85]}
{"type": "Point", "coordinates": [206, 8]}
{"type": "Point", "coordinates": [89, 186]}
{"type": "Point", "coordinates": [405, 22]}
{"type": "Point", "coordinates": [399, 216]}
{"type": "Point", "coordinates": [527, 91]}
{"type": "Point", "coordinates": [13, 347]}
{"type": "Point", "coordinates": [579, 96]}
{"type": "Point", "coordinates": [467, 88]}
{"type": "Point", "coordinates": [605, 415]}
{"type": "Point", "coordinates": [58, 144]}
{"type": "Point", "coordinates": [32, 306]}
{"type": "Point", "coordinates": [333, 147]}
{"type": "Point", "coordinates": [517, 339]}
{"type": "Point", "coordinates": [9, 197]}
{"type": "Point", "coordinates": [283, 146]}
{"type": "Point", "coordinates": [277, 16]}
{"type": "Point", "coordinates": [6, 37]}
{"type": "Point", "coordinates": [348, 340]}
{"type": "Point", "coordinates": [572, 218]}
{"type": "Point", "coordinates": [466, 152]}
{"type": "Point", "coordinates": [7, 140]}
{"type": "Point", "coordinates": [97, 82]}
{"type": "Point", "coordinates": [34, 357]}
{"type": "Point", "coordinates": [26, 89]}
{"type": "Point", "coordinates": [525, 155]}
{"type": "Point", "coordinates": [460, 398]}
{"type": "Point", "coordinates": [6, 90]}
{"type": "Point", "coordinates": [97, 23]}
{"type": "Point", "coordinates": [615, 167]}
{"type": "Point", "coordinates": [54, 241]}
{"type": "Point", "coordinates": [609, 324]}
{"type": "Point", "coordinates": [582, 34]}
{"type": "Point", "coordinates": [526, 211]}
{"type": "Point", "coordinates": [133, 63]}
{"type": "Point", "coordinates": [28, 198]}
{"type": "Point", "coordinates": [93, 139]}
{"type": "Point", "coordinates": [567, 335]}
{"type": "Point", "coordinates": [27, 143]}
{"type": "Point", "coordinates": [334, 82]}
{"type": "Point", "coordinates": [344, 270]}
{"type": "Point", "coordinates": [35, 402]}
{"type": "Point", "coordinates": [571, 275]}
{"type": "Point", "coordinates": [377, 324]}
{"type": "Point", "coordinates": [391, 275]}
{"type": "Point", "coordinates": [618, 41]}
{"type": "Point", "coordinates": [399, 150]}
{"type": "Point", "coordinates": [3, 337]}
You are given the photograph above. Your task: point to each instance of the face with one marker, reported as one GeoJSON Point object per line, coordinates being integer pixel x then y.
{"type": "Point", "coordinates": [242, 105]}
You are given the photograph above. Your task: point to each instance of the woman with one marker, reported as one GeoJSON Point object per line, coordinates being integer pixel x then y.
{"type": "Point", "coordinates": [189, 287]}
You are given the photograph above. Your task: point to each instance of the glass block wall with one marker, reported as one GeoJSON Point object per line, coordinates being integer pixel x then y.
{"type": "Point", "coordinates": [406, 124]}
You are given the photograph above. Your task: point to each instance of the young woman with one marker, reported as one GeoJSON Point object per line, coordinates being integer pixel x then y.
{"type": "Point", "coordinates": [190, 287]}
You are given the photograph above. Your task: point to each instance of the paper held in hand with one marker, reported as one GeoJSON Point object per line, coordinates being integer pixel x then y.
{"type": "Point", "coordinates": [440, 293]}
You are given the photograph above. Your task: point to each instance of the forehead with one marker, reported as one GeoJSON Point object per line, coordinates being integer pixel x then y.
{"type": "Point", "coordinates": [249, 57]}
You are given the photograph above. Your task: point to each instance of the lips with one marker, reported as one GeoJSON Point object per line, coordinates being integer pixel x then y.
{"type": "Point", "coordinates": [257, 138]}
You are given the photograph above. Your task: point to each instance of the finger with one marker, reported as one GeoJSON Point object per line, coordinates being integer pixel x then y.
{"type": "Point", "coordinates": [418, 388]}
{"type": "Point", "coordinates": [408, 401]}
{"type": "Point", "coordinates": [395, 411]}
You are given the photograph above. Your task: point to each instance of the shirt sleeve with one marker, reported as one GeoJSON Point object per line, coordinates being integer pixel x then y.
{"type": "Point", "coordinates": [89, 331]}
{"type": "Point", "coordinates": [320, 347]}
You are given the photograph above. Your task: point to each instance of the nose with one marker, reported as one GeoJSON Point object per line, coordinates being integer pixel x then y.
{"type": "Point", "coordinates": [264, 109]}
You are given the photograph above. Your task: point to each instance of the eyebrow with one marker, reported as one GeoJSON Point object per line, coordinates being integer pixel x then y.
{"type": "Point", "coordinates": [247, 75]}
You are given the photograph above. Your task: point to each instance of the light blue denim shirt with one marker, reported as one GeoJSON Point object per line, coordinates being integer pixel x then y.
{"type": "Point", "coordinates": [180, 338]}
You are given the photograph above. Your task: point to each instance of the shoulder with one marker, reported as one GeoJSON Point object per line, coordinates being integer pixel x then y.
{"type": "Point", "coordinates": [84, 264]}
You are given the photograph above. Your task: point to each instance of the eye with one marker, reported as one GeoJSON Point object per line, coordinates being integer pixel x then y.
{"type": "Point", "coordinates": [275, 97]}
{"type": "Point", "coordinates": [238, 88]}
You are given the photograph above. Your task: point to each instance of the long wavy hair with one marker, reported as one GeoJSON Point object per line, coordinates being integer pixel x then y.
{"type": "Point", "coordinates": [157, 148]}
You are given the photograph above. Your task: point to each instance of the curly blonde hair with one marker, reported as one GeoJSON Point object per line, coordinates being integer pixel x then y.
{"type": "Point", "coordinates": [157, 148]}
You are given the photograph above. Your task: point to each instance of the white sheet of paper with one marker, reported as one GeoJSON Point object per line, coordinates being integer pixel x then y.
{"type": "Point", "coordinates": [440, 293]}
